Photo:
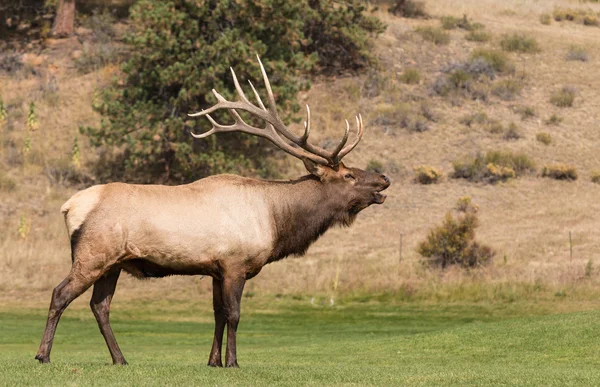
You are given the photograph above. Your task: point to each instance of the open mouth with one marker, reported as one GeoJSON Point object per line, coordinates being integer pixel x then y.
{"type": "Point", "coordinates": [378, 197]}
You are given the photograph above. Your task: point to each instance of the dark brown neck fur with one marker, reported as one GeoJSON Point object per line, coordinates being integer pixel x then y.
{"type": "Point", "coordinates": [302, 211]}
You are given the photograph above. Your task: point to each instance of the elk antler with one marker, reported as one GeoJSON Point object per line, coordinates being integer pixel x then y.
{"type": "Point", "coordinates": [275, 130]}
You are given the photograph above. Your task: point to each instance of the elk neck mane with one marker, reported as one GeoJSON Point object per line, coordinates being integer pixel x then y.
{"type": "Point", "coordinates": [302, 210]}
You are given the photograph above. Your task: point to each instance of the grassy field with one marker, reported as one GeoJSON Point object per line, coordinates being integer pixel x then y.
{"type": "Point", "coordinates": [291, 342]}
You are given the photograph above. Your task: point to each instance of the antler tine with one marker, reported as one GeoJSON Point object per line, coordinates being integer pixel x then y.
{"type": "Point", "coordinates": [306, 126]}
{"type": "Point", "coordinates": [270, 97]}
{"type": "Point", "coordinates": [359, 134]}
{"type": "Point", "coordinates": [238, 87]}
{"type": "Point", "coordinates": [260, 102]}
{"type": "Point", "coordinates": [335, 153]}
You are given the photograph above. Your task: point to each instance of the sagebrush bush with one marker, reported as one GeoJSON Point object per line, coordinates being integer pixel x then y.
{"type": "Point", "coordinates": [181, 50]}
{"type": "Point", "coordinates": [560, 172]}
{"type": "Point", "coordinates": [426, 174]}
{"type": "Point", "coordinates": [512, 132]}
{"type": "Point", "coordinates": [408, 9]}
{"type": "Point", "coordinates": [525, 112]}
{"type": "Point", "coordinates": [466, 79]}
{"type": "Point", "coordinates": [495, 127]}
{"type": "Point", "coordinates": [577, 53]}
{"type": "Point", "coordinates": [474, 118]}
{"type": "Point", "coordinates": [554, 120]}
{"type": "Point", "coordinates": [465, 204]}
{"type": "Point", "coordinates": [493, 166]}
{"type": "Point", "coordinates": [563, 97]}
{"type": "Point", "coordinates": [507, 89]}
{"type": "Point", "coordinates": [453, 242]}
{"type": "Point", "coordinates": [586, 17]}
{"type": "Point", "coordinates": [496, 173]}
{"type": "Point", "coordinates": [7, 184]}
{"type": "Point", "coordinates": [595, 178]}
{"type": "Point", "coordinates": [519, 42]}
{"type": "Point", "coordinates": [435, 35]}
{"type": "Point", "coordinates": [498, 60]}
{"type": "Point", "coordinates": [544, 138]}
{"type": "Point", "coordinates": [478, 36]}
{"type": "Point", "coordinates": [545, 19]}
{"type": "Point", "coordinates": [410, 76]}
{"type": "Point", "coordinates": [452, 22]}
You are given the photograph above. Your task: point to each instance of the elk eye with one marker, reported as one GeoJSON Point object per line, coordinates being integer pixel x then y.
{"type": "Point", "coordinates": [349, 176]}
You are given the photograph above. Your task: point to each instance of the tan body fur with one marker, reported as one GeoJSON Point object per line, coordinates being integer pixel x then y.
{"type": "Point", "coordinates": [183, 228]}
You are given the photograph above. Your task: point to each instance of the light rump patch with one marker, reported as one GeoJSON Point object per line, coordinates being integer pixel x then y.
{"type": "Point", "coordinates": [77, 208]}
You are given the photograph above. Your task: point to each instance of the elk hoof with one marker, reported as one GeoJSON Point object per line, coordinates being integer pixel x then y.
{"type": "Point", "coordinates": [233, 365]}
{"type": "Point", "coordinates": [42, 359]}
{"type": "Point", "coordinates": [215, 364]}
{"type": "Point", "coordinates": [120, 362]}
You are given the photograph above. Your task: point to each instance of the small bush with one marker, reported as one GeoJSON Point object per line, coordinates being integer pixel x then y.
{"type": "Point", "coordinates": [433, 34]}
{"type": "Point", "coordinates": [425, 174]}
{"type": "Point", "coordinates": [478, 36]}
{"type": "Point", "coordinates": [544, 138]}
{"type": "Point", "coordinates": [410, 76]}
{"type": "Point", "coordinates": [554, 120]}
{"type": "Point", "coordinates": [507, 89]}
{"type": "Point", "coordinates": [428, 113]}
{"type": "Point", "coordinates": [7, 184]}
{"type": "Point", "coordinates": [453, 243]}
{"type": "Point", "coordinates": [498, 60]}
{"type": "Point", "coordinates": [560, 172]}
{"type": "Point", "coordinates": [102, 25]}
{"type": "Point", "coordinates": [587, 17]}
{"type": "Point", "coordinates": [496, 173]}
{"type": "Point", "coordinates": [596, 177]}
{"type": "Point", "coordinates": [418, 125]}
{"type": "Point", "coordinates": [474, 118]}
{"type": "Point", "coordinates": [563, 97]}
{"type": "Point", "coordinates": [525, 112]}
{"type": "Point", "coordinates": [591, 20]}
{"type": "Point", "coordinates": [493, 167]}
{"type": "Point", "coordinates": [512, 132]}
{"type": "Point", "coordinates": [519, 42]}
{"type": "Point", "coordinates": [408, 9]}
{"type": "Point", "coordinates": [545, 19]}
{"type": "Point", "coordinates": [462, 80]}
{"type": "Point", "coordinates": [375, 166]}
{"type": "Point", "coordinates": [96, 56]}
{"type": "Point", "coordinates": [465, 204]}
{"type": "Point", "coordinates": [577, 53]}
{"type": "Point", "coordinates": [451, 22]}
{"type": "Point", "coordinates": [495, 127]}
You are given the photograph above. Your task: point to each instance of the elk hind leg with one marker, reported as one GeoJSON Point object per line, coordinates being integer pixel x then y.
{"type": "Point", "coordinates": [68, 290]}
{"type": "Point", "coordinates": [104, 289]}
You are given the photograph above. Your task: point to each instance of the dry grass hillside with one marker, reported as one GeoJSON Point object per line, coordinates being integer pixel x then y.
{"type": "Point", "coordinates": [526, 220]}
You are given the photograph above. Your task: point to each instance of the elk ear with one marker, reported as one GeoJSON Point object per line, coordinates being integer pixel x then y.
{"type": "Point", "coordinates": [316, 169]}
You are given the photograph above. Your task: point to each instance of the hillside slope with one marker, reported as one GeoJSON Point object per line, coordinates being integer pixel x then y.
{"type": "Point", "coordinates": [526, 220]}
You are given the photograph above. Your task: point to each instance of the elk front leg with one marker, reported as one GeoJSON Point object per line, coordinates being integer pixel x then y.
{"type": "Point", "coordinates": [104, 289]}
{"type": "Point", "coordinates": [232, 296]}
{"type": "Point", "coordinates": [215, 354]}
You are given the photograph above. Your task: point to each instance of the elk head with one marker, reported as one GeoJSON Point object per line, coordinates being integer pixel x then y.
{"type": "Point", "coordinates": [356, 187]}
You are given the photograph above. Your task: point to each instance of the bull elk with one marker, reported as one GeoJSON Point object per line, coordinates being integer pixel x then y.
{"type": "Point", "coordinates": [227, 227]}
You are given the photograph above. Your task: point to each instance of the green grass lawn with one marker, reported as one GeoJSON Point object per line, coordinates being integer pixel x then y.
{"type": "Point", "coordinates": [292, 342]}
